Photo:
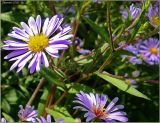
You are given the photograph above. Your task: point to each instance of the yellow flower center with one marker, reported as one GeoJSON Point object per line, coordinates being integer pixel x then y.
{"type": "Point", "coordinates": [156, 20]}
{"type": "Point", "coordinates": [100, 111]}
{"type": "Point", "coordinates": [37, 43]}
{"type": "Point", "coordinates": [153, 50]}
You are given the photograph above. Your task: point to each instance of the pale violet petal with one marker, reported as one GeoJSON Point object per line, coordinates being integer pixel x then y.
{"type": "Point", "coordinates": [14, 35]}
{"type": "Point", "coordinates": [45, 26]}
{"type": "Point", "coordinates": [56, 26]}
{"type": "Point", "coordinates": [33, 26]}
{"type": "Point", "coordinates": [38, 22]}
{"type": "Point", "coordinates": [15, 53]}
{"type": "Point", "coordinates": [45, 60]}
{"type": "Point", "coordinates": [33, 60]}
{"type": "Point", "coordinates": [20, 32]}
{"type": "Point", "coordinates": [38, 62]}
{"type": "Point", "coordinates": [112, 103]}
{"type": "Point", "coordinates": [52, 23]}
{"type": "Point", "coordinates": [26, 28]}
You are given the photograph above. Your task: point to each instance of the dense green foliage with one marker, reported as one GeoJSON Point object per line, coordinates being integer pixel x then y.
{"type": "Point", "coordinates": [101, 71]}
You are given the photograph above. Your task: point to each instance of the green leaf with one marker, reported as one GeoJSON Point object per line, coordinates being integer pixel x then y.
{"type": "Point", "coordinates": [121, 85]}
{"type": "Point", "coordinates": [24, 89]}
{"type": "Point", "coordinates": [12, 96]}
{"type": "Point", "coordinates": [5, 105]}
{"type": "Point", "coordinates": [51, 76]}
{"type": "Point", "coordinates": [11, 17]}
{"type": "Point", "coordinates": [123, 52]}
{"type": "Point", "coordinates": [82, 62]}
{"type": "Point", "coordinates": [60, 113]}
{"type": "Point", "coordinates": [61, 74]}
{"type": "Point", "coordinates": [99, 30]}
{"type": "Point", "coordinates": [77, 87]}
{"type": "Point", "coordinates": [7, 117]}
{"type": "Point", "coordinates": [42, 103]}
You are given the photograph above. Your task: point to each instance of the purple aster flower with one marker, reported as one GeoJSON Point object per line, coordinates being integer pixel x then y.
{"type": "Point", "coordinates": [131, 82]}
{"type": "Point", "coordinates": [96, 108]}
{"type": "Point", "coordinates": [134, 12]}
{"type": "Point", "coordinates": [43, 120]}
{"type": "Point", "coordinates": [27, 114]}
{"type": "Point", "coordinates": [149, 49]}
{"type": "Point", "coordinates": [83, 51]}
{"type": "Point", "coordinates": [153, 15]}
{"type": "Point", "coordinates": [134, 49]}
{"type": "Point", "coordinates": [3, 120]}
{"type": "Point", "coordinates": [34, 39]}
{"type": "Point", "coordinates": [134, 60]}
{"type": "Point", "coordinates": [80, 43]}
{"type": "Point", "coordinates": [124, 13]}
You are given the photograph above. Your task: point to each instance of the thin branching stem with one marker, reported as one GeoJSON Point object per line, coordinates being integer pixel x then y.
{"type": "Point", "coordinates": [110, 26]}
{"type": "Point", "coordinates": [66, 91]}
{"type": "Point", "coordinates": [40, 84]}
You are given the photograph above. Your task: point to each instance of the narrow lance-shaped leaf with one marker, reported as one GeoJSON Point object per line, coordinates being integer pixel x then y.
{"type": "Point", "coordinates": [11, 18]}
{"type": "Point", "coordinates": [121, 85]}
{"type": "Point", "coordinates": [60, 113]}
{"type": "Point", "coordinates": [7, 117]}
{"type": "Point", "coordinates": [99, 30]}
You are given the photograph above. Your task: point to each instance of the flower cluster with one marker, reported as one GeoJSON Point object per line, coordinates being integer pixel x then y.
{"type": "Point", "coordinates": [33, 40]}
{"type": "Point", "coordinates": [147, 50]}
{"type": "Point", "coordinates": [31, 115]}
{"type": "Point", "coordinates": [80, 44]}
{"type": "Point", "coordinates": [133, 12]}
{"type": "Point", "coordinates": [133, 49]}
{"type": "Point", "coordinates": [96, 108]}
{"type": "Point", "coordinates": [153, 15]}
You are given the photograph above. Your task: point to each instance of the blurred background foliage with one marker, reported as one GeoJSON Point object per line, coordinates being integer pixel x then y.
{"type": "Point", "coordinates": [16, 89]}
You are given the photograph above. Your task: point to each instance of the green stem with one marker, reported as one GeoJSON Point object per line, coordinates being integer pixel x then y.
{"type": "Point", "coordinates": [110, 26]}
{"type": "Point", "coordinates": [105, 63]}
{"type": "Point", "coordinates": [35, 92]}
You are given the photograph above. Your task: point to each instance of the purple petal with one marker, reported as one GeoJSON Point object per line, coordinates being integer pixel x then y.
{"type": "Point", "coordinates": [20, 32]}
{"type": "Point", "coordinates": [119, 118]}
{"type": "Point", "coordinates": [45, 26]}
{"type": "Point", "coordinates": [112, 103]}
{"type": "Point", "coordinates": [90, 116]}
{"type": "Point", "coordinates": [27, 29]}
{"type": "Point", "coordinates": [20, 58]}
{"type": "Point", "coordinates": [32, 24]}
{"type": "Point", "coordinates": [17, 36]}
{"type": "Point", "coordinates": [48, 118]}
{"type": "Point", "coordinates": [62, 38]}
{"type": "Point", "coordinates": [83, 51]}
{"type": "Point", "coordinates": [59, 46]}
{"type": "Point", "coordinates": [52, 52]}
{"type": "Point", "coordinates": [51, 25]}
{"type": "Point", "coordinates": [45, 60]}
{"type": "Point", "coordinates": [38, 61]}
{"type": "Point", "coordinates": [56, 26]}
{"type": "Point", "coordinates": [117, 107]}
{"type": "Point", "coordinates": [67, 42]}
{"type": "Point", "coordinates": [15, 53]}
{"type": "Point", "coordinates": [38, 22]}
{"type": "Point", "coordinates": [119, 113]}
